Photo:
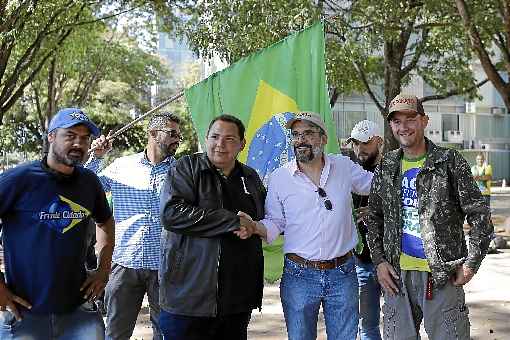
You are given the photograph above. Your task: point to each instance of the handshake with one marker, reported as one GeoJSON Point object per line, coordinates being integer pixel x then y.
{"type": "Point", "coordinates": [249, 227]}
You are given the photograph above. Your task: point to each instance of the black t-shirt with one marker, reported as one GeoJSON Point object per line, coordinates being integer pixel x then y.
{"type": "Point", "coordinates": [362, 201]}
{"type": "Point", "coordinates": [233, 259]}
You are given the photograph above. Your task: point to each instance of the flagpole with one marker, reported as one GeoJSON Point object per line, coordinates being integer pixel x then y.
{"type": "Point", "coordinates": [133, 122]}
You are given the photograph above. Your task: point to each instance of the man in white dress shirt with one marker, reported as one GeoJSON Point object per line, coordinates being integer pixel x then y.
{"type": "Point", "coordinates": [309, 200]}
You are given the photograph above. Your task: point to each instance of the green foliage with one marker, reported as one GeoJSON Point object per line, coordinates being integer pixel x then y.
{"type": "Point", "coordinates": [102, 71]}
{"type": "Point", "coordinates": [487, 24]}
{"type": "Point", "coordinates": [78, 53]}
{"type": "Point", "coordinates": [189, 143]}
{"type": "Point", "coordinates": [372, 47]}
{"type": "Point", "coordinates": [30, 32]}
{"type": "Point", "coordinates": [18, 136]}
{"type": "Point", "coordinates": [390, 41]}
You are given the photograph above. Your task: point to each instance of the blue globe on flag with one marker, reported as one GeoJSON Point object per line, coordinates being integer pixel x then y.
{"type": "Point", "coordinates": [270, 147]}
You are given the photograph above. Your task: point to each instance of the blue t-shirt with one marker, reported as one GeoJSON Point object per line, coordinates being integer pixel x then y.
{"type": "Point", "coordinates": [45, 217]}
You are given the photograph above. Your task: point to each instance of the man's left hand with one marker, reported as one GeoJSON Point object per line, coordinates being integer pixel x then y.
{"type": "Point", "coordinates": [463, 275]}
{"type": "Point", "coordinates": [94, 284]}
{"type": "Point", "coordinates": [361, 213]}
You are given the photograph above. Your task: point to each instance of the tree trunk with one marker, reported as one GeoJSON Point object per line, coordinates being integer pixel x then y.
{"type": "Point", "coordinates": [477, 44]}
{"type": "Point", "coordinates": [51, 101]}
{"type": "Point", "coordinates": [333, 96]}
{"type": "Point", "coordinates": [392, 87]}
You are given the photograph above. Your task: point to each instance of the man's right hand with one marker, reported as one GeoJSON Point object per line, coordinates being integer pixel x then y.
{"type": "Point", "coordinates": [8, 301]}
{"type": "Point", "coordinates": [101, 146]}
{"type": "Point", "coordinates": [387, 277]}
{"type": "Point", "coordinates": [247, 226]}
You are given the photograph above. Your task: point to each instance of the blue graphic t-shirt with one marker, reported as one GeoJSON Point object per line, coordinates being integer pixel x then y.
{"type": "Point", "coordinates": [413, 255]}
{"type": "Point", "coordinates": [45, 217]}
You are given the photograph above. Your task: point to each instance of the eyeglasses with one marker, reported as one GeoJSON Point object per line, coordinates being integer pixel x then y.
{"type": "Point", "coordinates": [327, 203]}
{"type": "Point", "coordinates": [307, 134]}
{"type": "Point", "coordinates": [172, 133]}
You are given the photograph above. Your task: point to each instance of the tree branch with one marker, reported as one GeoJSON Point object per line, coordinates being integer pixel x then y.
{"type": "Point", "coordinates": [88, 22]}
{"type": "Point", "coordinates": [502, 44]}
{"type": "Point", "coordinates": [364, 80]}
{"type": "Point", "coordinates": [8, 43]}
{"type": "Point", "coordinates": [418, 53]}
{"type": "Point", "coordinates": [28, 57]}
{"type": "Point", "coordinates": [478, 46]}
{"type": "Point", "coordinates": [454, 92]}
{"type": "Point", "coordinates": [359, 70]}
{"type": "Point", "coordinates": [38, 107]}
{"type": "Point", "coordinates": [6, 105]}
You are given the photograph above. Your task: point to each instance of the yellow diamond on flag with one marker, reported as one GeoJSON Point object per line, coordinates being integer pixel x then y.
{"type": "Point", "coordinates": [268, 102]}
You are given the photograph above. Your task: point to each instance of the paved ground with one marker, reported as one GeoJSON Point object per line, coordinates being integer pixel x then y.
{"type": "Point", "coordinates": [487, 295]}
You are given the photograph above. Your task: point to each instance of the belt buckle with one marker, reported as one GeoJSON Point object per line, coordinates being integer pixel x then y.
{"type": "Point", "coordinates": [307, 263]}
{"type": "Point", "coordinates": [313, 264]}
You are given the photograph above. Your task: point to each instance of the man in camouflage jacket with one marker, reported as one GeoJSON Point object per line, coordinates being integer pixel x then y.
{"type": "Point", "coordinates": [444, 194]}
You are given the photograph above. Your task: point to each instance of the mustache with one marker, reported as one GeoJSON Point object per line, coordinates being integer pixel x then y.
{"type": "Point", "coordinates": [303, 145]}
{"type": "Point", "coordinates": [80, 151]}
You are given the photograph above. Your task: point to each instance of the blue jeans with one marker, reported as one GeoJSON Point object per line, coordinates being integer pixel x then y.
{"type": "Point", "coordinates": [83, 323]}
{"type": "Point", "coordinates": [226, 327]}
{"type": "Point", "coordinates": [369, 301]}
{"type": "Point", "coordinates": [302, 292]}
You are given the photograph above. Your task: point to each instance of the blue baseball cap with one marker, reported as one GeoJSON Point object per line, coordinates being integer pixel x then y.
{"type": "Point", "coordinates": [72, 116]}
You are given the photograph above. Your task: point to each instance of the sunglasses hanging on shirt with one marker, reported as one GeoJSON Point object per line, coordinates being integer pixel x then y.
{"type": "Point", "coordinates": [327, 202]}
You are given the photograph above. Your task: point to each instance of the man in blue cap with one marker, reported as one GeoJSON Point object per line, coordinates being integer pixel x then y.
{"type": "Point", "coordinates": [45, 207]}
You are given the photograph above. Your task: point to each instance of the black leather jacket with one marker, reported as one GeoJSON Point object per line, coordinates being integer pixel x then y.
{"type": "Point", "coordinates": [194, 221]}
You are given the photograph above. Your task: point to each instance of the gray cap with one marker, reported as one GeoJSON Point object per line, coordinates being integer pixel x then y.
{"type": "Point", "coordinates": [311, 117]}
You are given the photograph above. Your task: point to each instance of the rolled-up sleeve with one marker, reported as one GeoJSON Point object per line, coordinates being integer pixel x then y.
{"type": "Point", "coordinates": [361, 179]}
{"type": "Point", "coordinates": [274, 219]}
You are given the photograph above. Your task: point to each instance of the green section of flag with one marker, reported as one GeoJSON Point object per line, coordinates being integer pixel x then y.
{"type": "Point", "coordinates": [252, 88]}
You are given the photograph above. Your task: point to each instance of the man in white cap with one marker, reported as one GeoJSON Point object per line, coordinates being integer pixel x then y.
{"type": "Point", "coordinates": [367, 144]}
{"type": "Point", "coordinates": [309, 200]}
{"type": "Point", "coordinates": [420, 197]}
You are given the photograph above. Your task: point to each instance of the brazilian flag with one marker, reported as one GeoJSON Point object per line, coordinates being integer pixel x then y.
{"type": "Point", "coordinates": [263, 90]}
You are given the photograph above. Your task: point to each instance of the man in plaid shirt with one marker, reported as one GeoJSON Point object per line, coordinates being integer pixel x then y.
{"type": "Point", "coordinates": [135, 182]}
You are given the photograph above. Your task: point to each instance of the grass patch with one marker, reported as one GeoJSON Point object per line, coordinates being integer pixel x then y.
{"type": "Point", "coordinates": [273, 260]}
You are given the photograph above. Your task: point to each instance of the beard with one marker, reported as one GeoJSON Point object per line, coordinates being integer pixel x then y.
{"type": "Point", "coordinates": [367, 159]}
{"type": "Point", "coordinates": [307, 155]}
{"type": "Point", "coordinates": [168, 149]}
{"type": "Point", "coordinates": [73, 157]}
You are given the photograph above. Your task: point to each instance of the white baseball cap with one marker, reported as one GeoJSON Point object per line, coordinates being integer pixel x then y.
{"type": "Point", "coordinates": [363, 131]}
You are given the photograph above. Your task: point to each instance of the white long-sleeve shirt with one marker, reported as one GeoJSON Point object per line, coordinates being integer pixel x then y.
{"type": "Point", "coordinates": [293, 206]}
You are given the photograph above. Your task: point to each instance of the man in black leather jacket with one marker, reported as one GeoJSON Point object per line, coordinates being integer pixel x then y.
{"type": "Point", "coordinates": [211, 270]}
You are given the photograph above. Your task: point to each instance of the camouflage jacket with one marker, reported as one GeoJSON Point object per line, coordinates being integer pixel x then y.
{"type": "Point", "coordinates": [447, 194]}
